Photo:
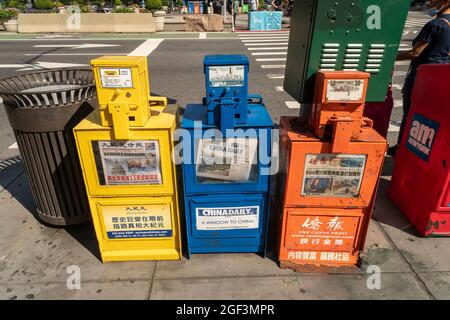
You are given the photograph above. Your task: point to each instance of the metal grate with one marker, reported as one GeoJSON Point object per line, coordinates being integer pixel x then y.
{"type": "Point", "coordinates": [329, 56]}
{"type": "Point", "coordinates": [48, 88]}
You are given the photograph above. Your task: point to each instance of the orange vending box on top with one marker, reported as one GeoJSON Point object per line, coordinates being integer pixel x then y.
{"type": "Point", "coordinates": [330, 168]}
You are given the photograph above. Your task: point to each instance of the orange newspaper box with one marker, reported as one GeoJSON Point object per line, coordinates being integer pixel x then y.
{"type": "Point", "coordinates": [330, 168]}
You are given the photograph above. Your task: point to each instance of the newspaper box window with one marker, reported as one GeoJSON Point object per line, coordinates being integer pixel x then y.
{"type": "Point", "coordinates": [125, 155]}
{"type": "Point", "coordinates": [227, 160]}
{"type": "Point", "coordinates": [226, 189]}
{"type": "Point", "coordinates": [128, 162]}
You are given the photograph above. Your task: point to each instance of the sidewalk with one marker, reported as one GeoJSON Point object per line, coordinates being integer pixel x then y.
{"type": "Point", "coordinates": [34, 259]}
{"type": "Point", "coordinates": [175, 22]}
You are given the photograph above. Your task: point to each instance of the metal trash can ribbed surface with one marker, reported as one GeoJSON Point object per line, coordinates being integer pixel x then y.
{"type": "Point", "coordinates": [43, 107]}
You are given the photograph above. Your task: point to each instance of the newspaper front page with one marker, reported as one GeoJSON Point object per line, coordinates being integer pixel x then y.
{"type": "Point", "coordinates": [227, 160]}
{"type": "Point", "coordinates": [130, 162]}
{"type": "Point", "coordinates": [333, 175]}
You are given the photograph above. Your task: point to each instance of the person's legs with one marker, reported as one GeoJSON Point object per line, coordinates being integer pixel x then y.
{"type": "Point", "coordinates": [406, 107]}
{"type": "Point", "coordinates": [407, 92]}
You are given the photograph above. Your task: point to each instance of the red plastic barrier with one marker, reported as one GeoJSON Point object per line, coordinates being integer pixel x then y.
{"type": "Point", "coordinates": [420, 184]}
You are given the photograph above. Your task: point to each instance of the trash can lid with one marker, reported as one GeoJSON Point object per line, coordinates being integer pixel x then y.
{"type": "Point", "coordinates": [48, 88]}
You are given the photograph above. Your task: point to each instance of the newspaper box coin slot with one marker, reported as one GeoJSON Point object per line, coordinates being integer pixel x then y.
{"type": "Point", "coordinates": [330, 168]}
{"type": "Point", "coordinates": [125, 154]}
{"type": "Point", "coordinates": [226, 162]}
{"type": "Point", "coordinates": [420, 184]}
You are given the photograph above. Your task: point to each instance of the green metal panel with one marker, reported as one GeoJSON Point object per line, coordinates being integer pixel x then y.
{"type": "Point", "coordinates": [361, 35]}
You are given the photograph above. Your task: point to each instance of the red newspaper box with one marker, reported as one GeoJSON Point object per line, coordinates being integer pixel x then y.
{"type": "Point", "coordinates": [420, 184]}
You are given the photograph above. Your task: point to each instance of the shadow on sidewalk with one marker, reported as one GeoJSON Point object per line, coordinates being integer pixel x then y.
{"type": "Point", "coordinates": [13, 179]}
{"type": "Point", "coordinates": [385, 211]}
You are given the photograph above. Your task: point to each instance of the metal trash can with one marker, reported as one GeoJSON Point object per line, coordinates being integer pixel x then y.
{"type": "Point", "coordinates": [43, 107]}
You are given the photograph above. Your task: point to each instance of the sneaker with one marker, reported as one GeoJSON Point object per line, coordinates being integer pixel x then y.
{"type": "Point", "coordinates": [392, 151]}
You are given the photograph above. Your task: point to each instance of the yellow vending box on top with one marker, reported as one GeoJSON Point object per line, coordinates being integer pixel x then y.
{"type": "Point", "coordinates": [125, 149]}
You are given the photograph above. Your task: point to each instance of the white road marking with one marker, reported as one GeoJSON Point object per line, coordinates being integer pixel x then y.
{"type": "Point", "coordinates": [397, 86]}
{"type": "Point", "coordinates": [394, 128]}
{"type": "Point", "coordinates": [273, 66]}
{"type": "Point", "coordinates": [266, 44]}
{"type": "Point", "coordinates": [202, 35]}
{"type": "Point", "coordinates": [13, 146]}
{"type": "Point", "coordinates": [400, 73]}
{"type": "Point", "coordinates": [269, 53]}
{"type": "Point", "coordinates": [398, 103]}
{"type": "Point", "coordinates": [147, 47]}
{"type": "Point", "coordinates": [292, 104]}
{"type": "Point", "coordinates": [402, 63]}
{"type": "Point", "coordinates": [267, 48]}
{"type": "Point", "coordinates": [279, 88]}
{"type": "Point", "coordinates": [270, 59]}
{"type": "Point", "coordinates": [53, 36]}
{"type": "Point", "coordinates": [77, 46]}
{"type": "Point", "coordinates": [40, 65]}
{"type": "Point", "coordinates": [275, 76]}
{"type": "Point", "coordinates": [76, 54]}
{"type": "Point", "coordinates": [265, 40]}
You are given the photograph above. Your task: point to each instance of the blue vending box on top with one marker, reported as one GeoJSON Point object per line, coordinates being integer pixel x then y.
{"type": "Point", "coordinates": [273, 20]}
{"type": "Point", "coordinates": [226, 161]}
{"type": "Point", "coordinates": [257, 20]}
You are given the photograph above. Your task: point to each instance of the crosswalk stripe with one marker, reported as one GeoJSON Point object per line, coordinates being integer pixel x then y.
{"type": "Point", "coordinates": [398, 103]}
{"type": "Point", "coordinates": [402, 63]}
{"type": "Point", "coordinates": [397, 86]}
{"type": "Point", "coordinates": [267, 48]}
{"type": "Point", "coordinates": [279, 88]}
{"type": "Point", "coordinates": [400, 73]}
{"type": "Point", "coordinates": [270, 59]}
{"type": "Point", "coordinates": [273, 66]}
{"type": "Point", "coordinates": [269, 53]}
{"type": "Point", "coordinates": [266, 44]}
{"type": "Point", "coordinates": [265, 40]}
{"type": "Point", "coordinates": [394, 128]}
{"type": "Point", "coordinates": [275, 76]}
{"type": "Point", "coordinates": [292, 104]}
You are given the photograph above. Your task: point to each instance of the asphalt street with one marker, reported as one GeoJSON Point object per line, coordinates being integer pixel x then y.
{"type": "Point", "coordinates": [176, 64]}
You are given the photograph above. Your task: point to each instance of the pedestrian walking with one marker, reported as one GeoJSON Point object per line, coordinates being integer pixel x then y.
{"type": "Point", "coordinates": [432, 45]}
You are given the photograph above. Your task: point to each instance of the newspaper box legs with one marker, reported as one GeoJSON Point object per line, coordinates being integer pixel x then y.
{"type": "Point", "coordinates": [420, 184]}
{"type": "Point", "coordinates": [225, 178]}
{"type": "Point", "coordinates": [125, 149]}
{"type": "Point", "coordinates": [330, 168]}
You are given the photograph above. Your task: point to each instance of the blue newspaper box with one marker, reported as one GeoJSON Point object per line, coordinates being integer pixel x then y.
{"type": "Point", "coordinates": [190, 7]}
{"type": "Point", "coordinates": [226, 162]}
{"type": "Point", "coordinates": [273, 20]}
{"type": "Point", "coordinates": [257, 20]}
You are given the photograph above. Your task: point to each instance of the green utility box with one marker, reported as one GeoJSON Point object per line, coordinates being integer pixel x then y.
{"type": "Point", "coordinates": [361, 35]}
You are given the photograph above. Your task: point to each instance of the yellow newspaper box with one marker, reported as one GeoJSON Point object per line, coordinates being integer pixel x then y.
{"type": "Point", "coordinates": [125, 149]}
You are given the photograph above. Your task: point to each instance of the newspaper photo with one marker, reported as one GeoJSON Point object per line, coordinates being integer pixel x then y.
{"type": "Point", "coordinates": [227, 160]}
{"type": "Point", "coordinates": [333, 175]}
{"type": "Point", "coordinates": [130, 162]}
